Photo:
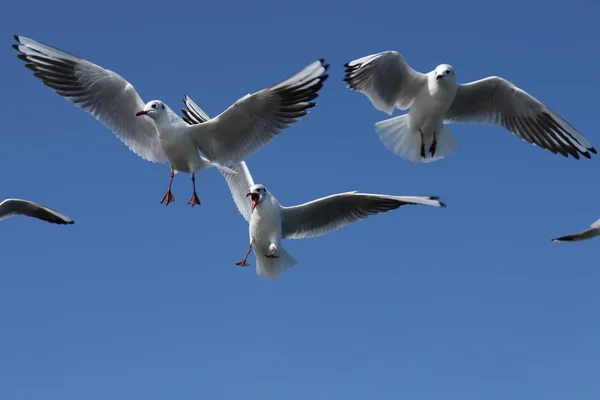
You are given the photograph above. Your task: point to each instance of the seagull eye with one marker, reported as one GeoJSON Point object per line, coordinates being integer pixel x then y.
{"type": "Point", "coordinates": [153, 105]}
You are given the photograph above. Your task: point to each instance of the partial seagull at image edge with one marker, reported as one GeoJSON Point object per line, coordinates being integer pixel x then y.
{"type": "Point", "coordinates": [12, 207]}
{"type": "Point", "coordinates": [584, 235]}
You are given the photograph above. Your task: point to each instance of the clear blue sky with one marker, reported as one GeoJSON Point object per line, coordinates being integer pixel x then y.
{"type": "Point", "coordinates": [139, 301]}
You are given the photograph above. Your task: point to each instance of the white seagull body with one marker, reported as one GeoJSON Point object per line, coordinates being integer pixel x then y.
{"type": "Point", "coordinates": [271, 222]}
{"type": "Point", "coordinates": [584, 235]}
{"type": "Point", "coordinates": [11, 207]}
{"type": "Point", "coordinates": [435, 98]}
{"type": "Point", "coordinates": [155, 132]}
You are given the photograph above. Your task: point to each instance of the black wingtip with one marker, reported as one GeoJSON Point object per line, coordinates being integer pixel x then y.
{"type": "Point", "coordinates": [17, 38]}
{"type": "Point", "coordinates": [321, 60]}
{"type": "Point", "coordinates": [443, 205]}
{"type": "Point", "coordinates": [593, 150]}
{"type": "Point", "coordinates": [324, 77]}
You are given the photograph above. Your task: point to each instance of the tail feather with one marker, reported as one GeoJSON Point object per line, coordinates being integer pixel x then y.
{"type": "Point", "coordinates": [271, 267]}
{"type": "Point", "coordinates": [397, 135]}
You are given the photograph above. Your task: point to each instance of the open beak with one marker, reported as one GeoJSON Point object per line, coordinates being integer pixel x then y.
{"type": "Point", "coordinates": [437, 78]}
{"type": "Point", "coordinates": [141, 113]}
{"type": "Point", "coordinates": [254, 198]}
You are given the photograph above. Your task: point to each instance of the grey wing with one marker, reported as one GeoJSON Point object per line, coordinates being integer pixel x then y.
{"type": "Point", "coordinates": [238, 183]}
{"type": "Point", "coordinates": [11, 207]}
{"type": "Point", "coordinates": [496, 101]}
{"type": "Point", "coordinates": [386, 79]}
{"type": "Point", "coordinates": [254, 120]}
{"type": "Point", "coordinates": [103, 93]}
{"type": "Point", "coordinates": [324, 215]}
{"type": "Point", "coordinates": [587, 234]}
{"type": "Point", "coordinates": [193, 114]}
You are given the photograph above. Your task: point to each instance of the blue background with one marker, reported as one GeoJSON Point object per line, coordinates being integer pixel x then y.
{"type": "Point", "coordinates": [139, 301]}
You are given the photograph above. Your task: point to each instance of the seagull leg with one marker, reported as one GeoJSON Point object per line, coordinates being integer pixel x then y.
{"type": "Point", "coordinates": [271, 253]}
{"type": "Point", "coordinates": [422, 144]}
{"type": "Point", "coordinates": [243, 263]}
{"type": "Point", "coordinates": [169, 198]}
{"type": "Point", "coordinates": [433, 145]}
{"type": "Point", "coordinates": [194, 200]}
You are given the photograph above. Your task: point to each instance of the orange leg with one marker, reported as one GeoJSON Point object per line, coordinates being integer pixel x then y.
{"type": "Point", "coordinates": [433, 145]}
{"type": "Point", "coordinates": [271, 254]}
{"type": "Point", "coordinates": [243, 263]}
{"type": "Point", "coordinates": [169, 198]}
{"type": "Point", "coordinates": [194, 200]}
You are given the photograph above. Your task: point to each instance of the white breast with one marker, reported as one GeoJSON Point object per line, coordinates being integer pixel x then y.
{"type": "Point", "coordinates": [265, 225]}
{"type": "Point", "coordinates": [181, 151]}
{"type": "Point", "coordinates": [431, 104]}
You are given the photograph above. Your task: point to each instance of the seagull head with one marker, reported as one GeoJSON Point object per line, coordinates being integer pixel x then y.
{"type": "Point", "coordinates": [444, 72]}
{"type": "Point", "coordinates": [153, 109]}
{"type": "Point", "coordinates": [256, 193]}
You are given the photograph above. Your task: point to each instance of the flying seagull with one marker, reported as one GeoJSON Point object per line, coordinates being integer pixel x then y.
{"type": "Point", "coordinates": [11, 207]}
{"type": "Point", "coordinates": [584, 235]}
{"type": "Point", "coordinates": [271, 222]}
{"type": "Point", "coordinates": [156, 133]}
{"type": "Point", "coordinates": [436, 99]}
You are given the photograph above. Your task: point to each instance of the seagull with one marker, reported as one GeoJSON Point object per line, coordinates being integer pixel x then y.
{"type": "Point", "coordinates": [271, 222]}
{"type": "Point", "coordinates": [577, 237]}
{"type": "Point", "coordinates": [436, 99]}
{"type": "Point", "coordinates": [155, 132]}
{"type": "Point", "coordinates": [11, 207]}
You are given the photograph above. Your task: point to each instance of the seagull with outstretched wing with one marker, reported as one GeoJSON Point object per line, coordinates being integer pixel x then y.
{"type": "Point", "coordinates": [435, 99]}
{"type": "Point", "coordinates": [156, 133]}
{"type": "Point", "coordinates": [271, 222]}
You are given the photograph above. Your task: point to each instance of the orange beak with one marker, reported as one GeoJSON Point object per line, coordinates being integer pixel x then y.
{"type": "Point", "coordinates": [255, 197]}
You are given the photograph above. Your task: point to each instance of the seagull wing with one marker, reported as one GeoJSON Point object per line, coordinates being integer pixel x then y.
{"type": "Point", "coordinates": [577, 237]}
{"type": "Point", "coordinates": [254, 120]}
{"type": "Point", "coordinates": [324, 215]}
{"type": "Point", "coordinates": [103, 93]}
{"type": "Point", "coordinates": [496, 101]}
{"type": "Point", "coordinates": [386, 79]}
{"type": "Point", "coordinates": [11, 207]}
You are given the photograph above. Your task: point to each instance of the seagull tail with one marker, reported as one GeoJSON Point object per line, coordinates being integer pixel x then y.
{"type": "Point", "coordinates": [271, 267]}
{"type": "Point", "coordinates": [397, 135]}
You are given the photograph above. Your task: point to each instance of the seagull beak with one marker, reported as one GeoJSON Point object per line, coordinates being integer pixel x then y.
{"type": "Point", "coordinates": [141, 113]}
{"type": "Point", "coordinates": [254, 198]}
{"type": "Point", "coordinates": [438, 77]}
